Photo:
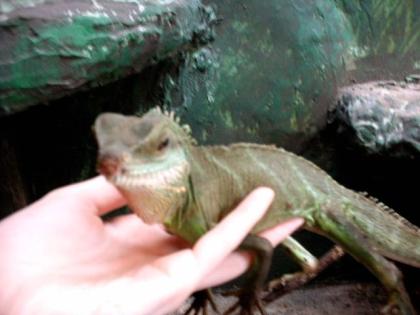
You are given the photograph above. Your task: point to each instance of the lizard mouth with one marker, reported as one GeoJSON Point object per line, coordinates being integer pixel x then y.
{"type": "Point", "coordinates": [129, 177]}
{"type": "Point", "coordinates": [108, 165]}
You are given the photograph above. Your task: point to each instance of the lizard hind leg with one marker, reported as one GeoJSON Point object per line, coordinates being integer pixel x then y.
{"type": "Point", "coordinates": [249, 297]}
{"type": "Point", "coordinates": [339, 228]}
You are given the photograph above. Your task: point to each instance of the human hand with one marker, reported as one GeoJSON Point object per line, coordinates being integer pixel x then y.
{"type": "Point", "coordinates": [60, 257]}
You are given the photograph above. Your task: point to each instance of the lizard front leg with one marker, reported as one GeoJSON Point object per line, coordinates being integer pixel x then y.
{"type": "Point", "coordinates": [249, 296]}
{"type": "Point", "coordinates": [201, 300]}
{"type": "Point", "coordinates": [311, 266]}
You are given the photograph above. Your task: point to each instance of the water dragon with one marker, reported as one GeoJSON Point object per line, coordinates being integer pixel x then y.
{"type": "Point", "coordinates": [167, 178]}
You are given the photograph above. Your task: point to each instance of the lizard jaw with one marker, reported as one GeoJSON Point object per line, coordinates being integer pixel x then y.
{"type": "Point", "coordinates": [153, 195]}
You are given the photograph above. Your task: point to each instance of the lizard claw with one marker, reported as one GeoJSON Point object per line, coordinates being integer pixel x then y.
{"type": "Point", "coordinates": [390, 309]}
{"type": "Point", "coordinates": [201, 300]}
{"type": "Point", "coordinates": [247, 302]}
{"type": "Point", "coordinates": [397, 306]}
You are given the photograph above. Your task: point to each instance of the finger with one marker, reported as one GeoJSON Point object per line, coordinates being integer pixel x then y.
{"type": "Point", "coordinates": [96, 194]}
{"type": "Point", "coordinates": [278, 233]}
{"type": "Point", "coordinates": [133, 232]}
{"type": "Point", "coordinates": [131, 228]}
{"type": "Point", "coordinates": [230, 268]}
{"type": "Point", "coordinates": [238, 262]}
{"type": "Point", "coordinates": [215, 245]}
{"type": "Point", "coordinates": [185, 269]}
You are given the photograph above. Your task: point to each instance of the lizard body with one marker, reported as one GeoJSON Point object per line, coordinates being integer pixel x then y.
{"type": "Point", "coordinates": [168, 179]}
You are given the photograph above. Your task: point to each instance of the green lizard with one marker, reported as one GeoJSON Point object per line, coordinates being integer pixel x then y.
{"type": "Point", "coordinates": [167, 178]}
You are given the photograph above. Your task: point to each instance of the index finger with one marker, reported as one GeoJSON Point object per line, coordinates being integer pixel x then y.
{"type": "Point", "coordinates": [97, 193]}
{"type": "Point", "coordinates": [230, 232]}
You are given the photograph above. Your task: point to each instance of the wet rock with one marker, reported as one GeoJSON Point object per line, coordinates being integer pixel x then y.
{"type": "Point", "coordinates": [49, 49]}
{"type": "Point", "coordinates": [381, 117]}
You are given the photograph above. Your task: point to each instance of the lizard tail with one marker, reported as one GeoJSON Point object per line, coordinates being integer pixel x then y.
{"type": "Point", "coordinates": [391, 234]}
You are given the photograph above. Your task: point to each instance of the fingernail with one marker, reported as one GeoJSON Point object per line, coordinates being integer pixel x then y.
{"type": "Point", "coordinates": [295, 222]}
{"type": "Point", "coordinates": [265, 192]}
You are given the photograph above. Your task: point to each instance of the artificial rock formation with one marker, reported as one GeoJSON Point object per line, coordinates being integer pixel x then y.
{"type": "Point", "coordinates": [382, 117]}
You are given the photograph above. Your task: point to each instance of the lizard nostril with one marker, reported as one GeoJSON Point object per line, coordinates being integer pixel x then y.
{"type": "Point", "coordinates": [108, 164]}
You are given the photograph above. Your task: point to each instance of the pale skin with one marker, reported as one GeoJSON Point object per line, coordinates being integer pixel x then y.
{"type": "Point", "coordinates": [59, 257]}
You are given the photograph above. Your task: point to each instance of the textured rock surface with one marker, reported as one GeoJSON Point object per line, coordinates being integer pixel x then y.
{"type": "Point", "coordinates": [382, 117]}
{"type": "Point", "coordinates": [268, 76]}
{"type": "Point", "coordinates": [53, 48]}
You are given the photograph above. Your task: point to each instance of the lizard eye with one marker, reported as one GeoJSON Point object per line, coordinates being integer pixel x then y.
{"type": "Point", "coordinates": [163, 144]}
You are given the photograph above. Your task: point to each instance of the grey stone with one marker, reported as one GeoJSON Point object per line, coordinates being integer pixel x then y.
{"type": "Point", "coordinates": [382, 117]}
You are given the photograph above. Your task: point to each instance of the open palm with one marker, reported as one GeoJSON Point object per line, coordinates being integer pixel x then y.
{"type": "Point", "coordinates": [60, 257]}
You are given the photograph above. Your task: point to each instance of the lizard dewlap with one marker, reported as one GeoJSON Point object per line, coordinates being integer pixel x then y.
{"type": "Point", "coordinates": [167, 178]}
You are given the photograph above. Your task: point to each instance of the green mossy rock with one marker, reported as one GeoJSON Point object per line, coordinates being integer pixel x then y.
{"type": "Point", "coordinates": [270, 74]}
{"type": "Point", "coordinates": [49, 49]}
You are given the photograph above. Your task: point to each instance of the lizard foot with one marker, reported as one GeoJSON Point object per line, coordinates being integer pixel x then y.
{"type": "Point", "coordinates": [390, 309]}
{"type": "Point", "coordinates": [247, 302]}
{"type": "Point", "coordinates": [398, 306]}
{"type": "Point", "coordinates": [200, 303]}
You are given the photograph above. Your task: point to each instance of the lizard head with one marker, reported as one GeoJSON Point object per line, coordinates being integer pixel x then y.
{"type": "Point", "coordinates": [145, 158]}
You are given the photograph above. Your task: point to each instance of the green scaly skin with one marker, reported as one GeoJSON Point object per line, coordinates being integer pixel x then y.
{"type": "Point", "coordinates": [168, 179]}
